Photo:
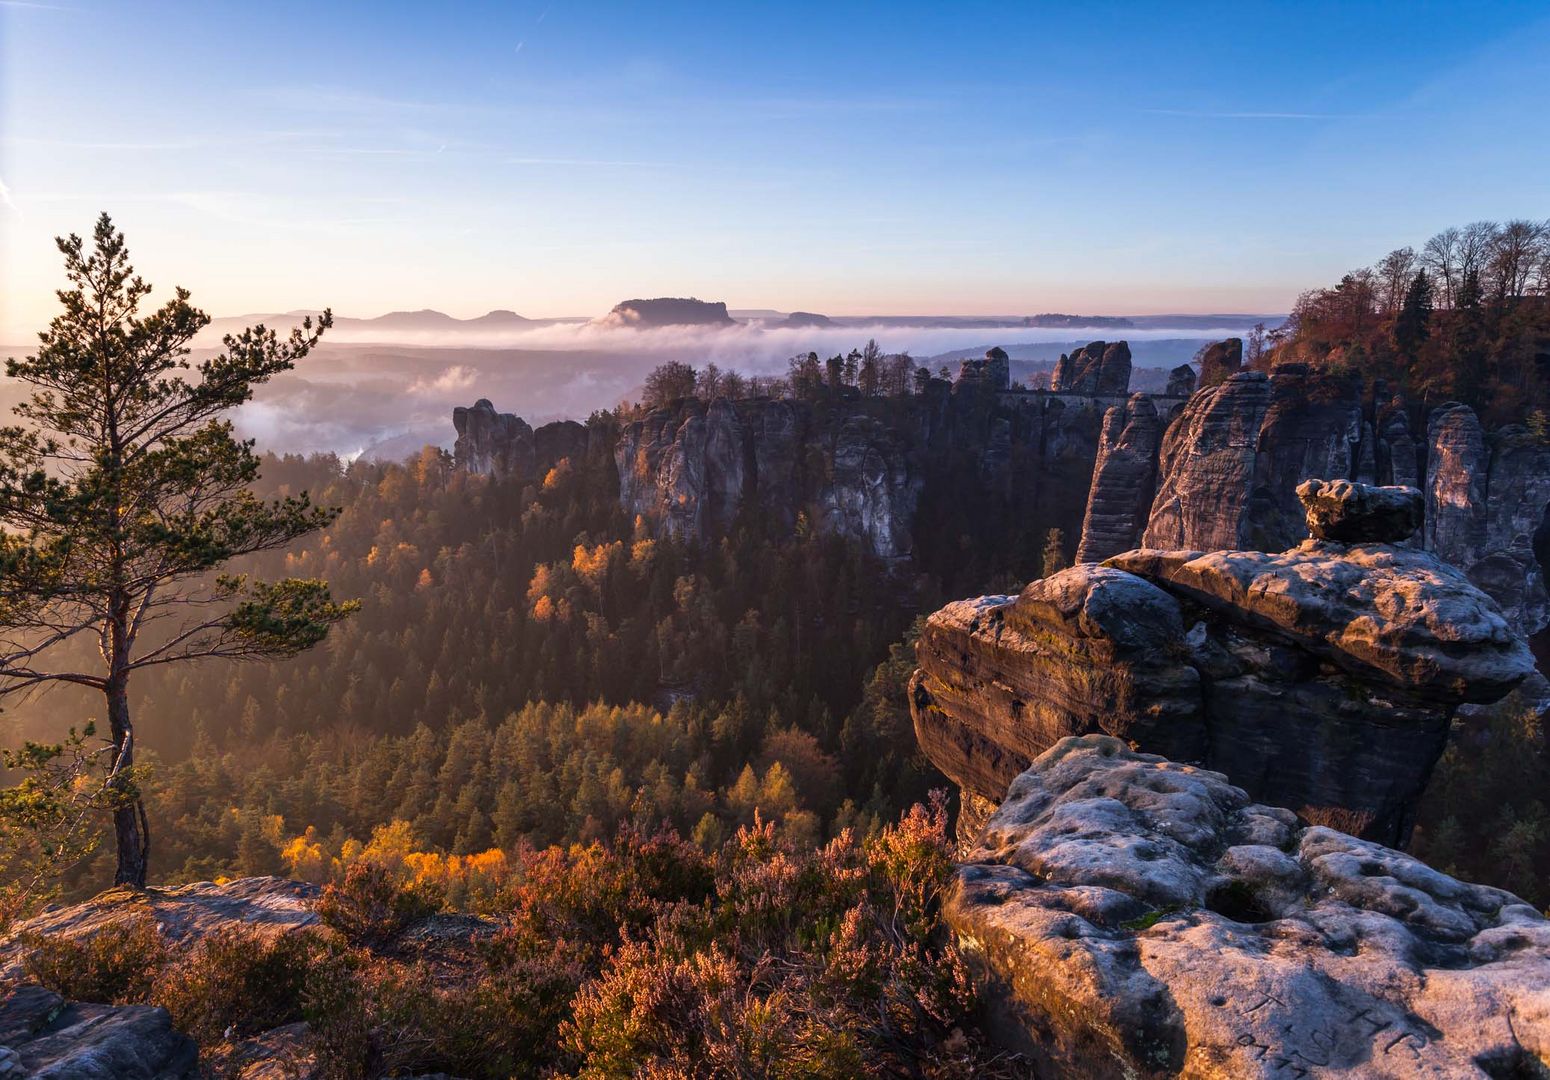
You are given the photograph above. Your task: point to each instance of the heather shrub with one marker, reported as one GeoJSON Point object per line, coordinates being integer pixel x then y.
{"type": "Point", "coordinates": [372, 905]}
{"type": "Point", "coordinates": [113, 966]}
{"type": "Point", "coordinates": [240, 980]}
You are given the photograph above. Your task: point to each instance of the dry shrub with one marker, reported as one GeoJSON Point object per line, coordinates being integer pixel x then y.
{"type": "Point", "coordinates": [241, 980]}
{"type": "Point", "coordinates": [115, 965]}
{"type": "Point", "coordinates": [372, 906]}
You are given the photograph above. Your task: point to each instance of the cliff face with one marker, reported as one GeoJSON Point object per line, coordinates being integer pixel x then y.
{"type": "Point", "coordinates": [491, 443]}
{"type": "Point", "coordinates": [1322, 679]}
{"type": "Point", "coordinates": [667, 311]}
{"type": "Point", "coordinates": [1096, 368]}
{"type": "Point", "coordinates": [1229, 466]}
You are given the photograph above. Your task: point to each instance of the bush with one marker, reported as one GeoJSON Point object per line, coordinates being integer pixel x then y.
{"type": "Point", "coordinates": [371, 906]}
{"type": "Point", "coordinates": [241, 980]}
{"type": "Point", "coordinates": [112, 966]}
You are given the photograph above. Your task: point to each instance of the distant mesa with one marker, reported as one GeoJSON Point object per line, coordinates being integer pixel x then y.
{"type": "Point", "coordinates": [1058, 320]}
{"type": "Point", "coordinates": [667, 311]}
{"type": "Point", "coordinates": [805, 320]}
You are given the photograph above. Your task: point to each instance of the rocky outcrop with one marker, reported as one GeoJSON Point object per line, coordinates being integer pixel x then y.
{"type": "Point", "coordinates": [501, 444]}
{"type": "Point", "coordinates": [182, 913]}
{"type": "Point", "coordinates": [1134, 917]}
{"type": "Point", "coordinates": [46, 1037]}
{"type": "Point", "coordinates": [667, 311]}
{"type": "Point", "coordinates": [1322, 678]}
{"type": "Point", "coordinates": [1123, 480]}
{"type": "Point", "coordinates": [993, 372]}
{"type": "Point", "coordinates": [1181, 381]}
{"type": "Point", "coordinates": [1096, 368]}
{"type": "Point", "coordinates": [1220, 361]}
{"type": "Point", "coordinates": [1455, 487]}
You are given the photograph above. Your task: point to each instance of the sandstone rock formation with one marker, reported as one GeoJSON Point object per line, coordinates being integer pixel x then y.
{"type": "Point", "coordinates": [1181, 381]}
{"type": "Point", "coordinates": [1321, 679]}
{"type": "Point", "coordinates": [1140, 918]}
{"type": "Point", "coordinates": [1123, 480]}
{"type": "Point", "coordinates": [993, 372]}
{"type": "Point", "coordinates": [47, 1038]}
{"type": "Point", "coordinates": [1220, 361]}
{"type": "Point", "coordinates": [667, 311]}
{"type": "Point", "coordinates": [489, 442]}
{"type": "Point", "coordinates": [182, 913]}
{"type": "Point", "coordinates": [1096, 368]}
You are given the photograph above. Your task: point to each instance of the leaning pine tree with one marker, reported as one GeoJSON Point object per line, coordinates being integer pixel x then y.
{"type": "Point", "coordinates": [122, 491]}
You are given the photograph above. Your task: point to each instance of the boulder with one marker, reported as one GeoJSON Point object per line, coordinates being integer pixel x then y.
{"type": "Point", "coordinates": [1358, 513]}
{"type": "Point", "coordinates": [1123, 478]}
{"type": "Point", "coordinates": [45, 1037]}
{"type": "Point", "coordinates": [1135, 917]}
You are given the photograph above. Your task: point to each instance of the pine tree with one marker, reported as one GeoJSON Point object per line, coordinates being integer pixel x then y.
{"type": "Point", "coordinates": [1412, 325]}
{"type": "Point", "coordinates": [123, 490]}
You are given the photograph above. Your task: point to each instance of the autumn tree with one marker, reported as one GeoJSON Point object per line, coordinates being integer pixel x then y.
{"type": "Point", "coordinates": [123, 490]}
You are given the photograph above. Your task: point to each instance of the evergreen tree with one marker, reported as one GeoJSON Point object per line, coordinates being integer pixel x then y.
{"type": "Point", "coordinates": [122, 490]}
{"type": "Point", "coordinates": [1413, 323]}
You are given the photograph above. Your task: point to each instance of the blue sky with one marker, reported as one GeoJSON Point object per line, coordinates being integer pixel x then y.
{"type": "Point", "coordinates": [554, 158]}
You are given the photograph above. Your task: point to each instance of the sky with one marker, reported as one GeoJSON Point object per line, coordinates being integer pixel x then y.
{"type": "Point", "coordinates": [554, 158]}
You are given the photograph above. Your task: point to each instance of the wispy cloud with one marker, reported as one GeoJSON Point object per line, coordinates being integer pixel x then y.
{"type": "Point", "coordinates": [6, 200]}
{"type": "Point", "coordinates": [1212, 114]}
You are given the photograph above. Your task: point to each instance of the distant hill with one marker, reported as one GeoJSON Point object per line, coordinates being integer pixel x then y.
{"type": "Point", "coordinates": [424, 321]}
{"type": "Point", "coordinates": [667, 311]}
{"type": "Point", "coordinates": [804, 320]}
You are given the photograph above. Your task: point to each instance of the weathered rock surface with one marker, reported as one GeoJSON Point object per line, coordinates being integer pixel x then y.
{"type": "Point", "coordinates": [1322, 678]}
{"type": "Point", "coordinates": [182, 912]}
{"type": "Point", "coordinates": [1096, 368]}
{"type": "Point", "coordinates": [49, 1038]}
{"type": "Point", "coordinates": [1135, 917]}
{"type": "Point", "coordinates": [1220, 361]}
{"type": "Point", "coordinates": [993, 372]}
{"type": "Point", "coordinates": [1123, 479]}
{"type": "Point", "coordinates": [1360, 513]}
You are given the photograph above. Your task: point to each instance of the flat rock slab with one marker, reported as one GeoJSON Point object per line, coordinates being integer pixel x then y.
{"type": "Point", "coordinates": [1141, 918]}
{"type": "Point", "coordinates": [182, 912]}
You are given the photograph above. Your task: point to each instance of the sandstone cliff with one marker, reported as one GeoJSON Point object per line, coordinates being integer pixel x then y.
{"type": "Point", "coordinates": [1096, 368]}
{"type": "Point", "coordinates": [1124, 475]}
{"type": "Point", "coordinates": [667, 311]}
{"type": "Point", "coordinates": [1322, 679]}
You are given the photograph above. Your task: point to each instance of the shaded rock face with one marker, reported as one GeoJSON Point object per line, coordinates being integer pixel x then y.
{"type": "Point", "coordinates": [1322, 678]}
{"type": "Point", "coordinates": [47, 1038]}
{"type": "Point", "coordinates": [1221, 361]}
{"type": "Point", "coordinates": [994, 371]}
{"type": "Point", "coordinates": [1124, 476]}
{"type": "Point", "coordinates": [1136, 917]}
{"type": "Point", "coordinates": [1181, 381]}
{"type": "Point", "coordinates": [1096, 368]}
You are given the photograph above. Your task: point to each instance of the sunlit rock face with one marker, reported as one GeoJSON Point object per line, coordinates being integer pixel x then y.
{"type": "Point", "coordinates": [1322, 678]}
{"type": "Point", "coordinates": [1130, 916]}
{"type": "Point", "coordinates": [1220, 361]}
{"type": "Point", "coordinates": [1097, 368]}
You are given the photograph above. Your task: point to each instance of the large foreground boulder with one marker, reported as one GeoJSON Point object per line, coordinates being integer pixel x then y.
{"type": "Point", "coordinates": [1322, 679]}
{"type": "Point", "coordinates": [1135, 917]}
{"type": "Point", "coordinates": [44, 1037]}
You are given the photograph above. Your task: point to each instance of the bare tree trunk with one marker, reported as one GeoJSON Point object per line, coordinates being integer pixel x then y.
{"type": "Point", "coordinates": [129, 824]}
